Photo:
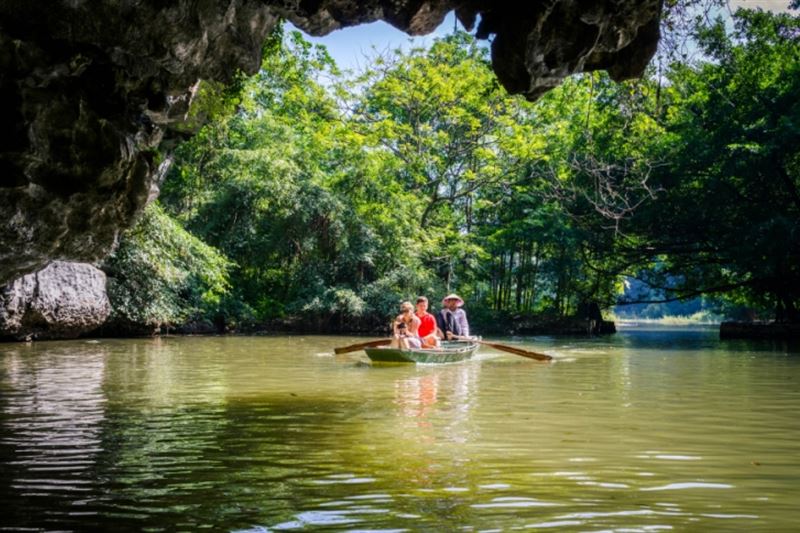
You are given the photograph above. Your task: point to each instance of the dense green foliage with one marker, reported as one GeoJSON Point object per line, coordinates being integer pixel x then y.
{"type": "Point", "coordinates": [333, 197]}
{"type": "Point", "coordinates": [727, 218]}
{"type": "Point", "coordinates": [161, 275]}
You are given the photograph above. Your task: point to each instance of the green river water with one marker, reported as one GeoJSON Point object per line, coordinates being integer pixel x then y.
{"type": "Point", "coordinates": [646, 430]}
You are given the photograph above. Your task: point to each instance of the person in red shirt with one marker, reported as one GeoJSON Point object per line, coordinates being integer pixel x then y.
{"type": "Point", "coordinates": [427, 328]}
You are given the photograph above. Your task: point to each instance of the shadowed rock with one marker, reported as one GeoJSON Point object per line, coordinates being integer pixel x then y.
{"type": "Point", "coordinates": [89, 91]}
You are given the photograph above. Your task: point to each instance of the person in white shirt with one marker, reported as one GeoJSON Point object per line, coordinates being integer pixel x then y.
{"type": "Point", "coordinates": [451, 319]}
{"type": "Point", "coordinates": [406, 327]}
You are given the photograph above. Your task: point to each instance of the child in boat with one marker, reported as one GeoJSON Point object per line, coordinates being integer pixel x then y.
{"type": "Point", "coordinates": [427, 330]}
{"type": "Point", "coordinates": [406, 328]}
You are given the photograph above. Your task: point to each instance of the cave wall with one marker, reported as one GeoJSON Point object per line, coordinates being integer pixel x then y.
{"type": "Point", "coordinates": [90, 90]}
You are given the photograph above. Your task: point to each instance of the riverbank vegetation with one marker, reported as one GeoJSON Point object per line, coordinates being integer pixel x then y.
{"type": "Point", "coordinates": [316, 197]}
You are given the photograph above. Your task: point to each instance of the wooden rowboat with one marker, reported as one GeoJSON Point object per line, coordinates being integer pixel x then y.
{"type": "Point", "coordinates": [450, 352]}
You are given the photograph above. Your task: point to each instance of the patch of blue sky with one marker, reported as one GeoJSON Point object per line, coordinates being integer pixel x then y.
{"type": "Point", "coordinates": [352, 47]}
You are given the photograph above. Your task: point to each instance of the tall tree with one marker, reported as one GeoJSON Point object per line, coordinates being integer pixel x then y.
{"type": "Point", "coordinates": [728, 218]}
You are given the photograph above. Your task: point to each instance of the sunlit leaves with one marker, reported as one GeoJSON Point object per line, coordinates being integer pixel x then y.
{"type": "Point", "coordinates": [336, 196]}
{"type": "Point", "coordinates": [162, 276]}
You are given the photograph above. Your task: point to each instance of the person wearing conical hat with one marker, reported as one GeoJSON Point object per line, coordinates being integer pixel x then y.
{"type": "Point", "coordinates": [452, 319]}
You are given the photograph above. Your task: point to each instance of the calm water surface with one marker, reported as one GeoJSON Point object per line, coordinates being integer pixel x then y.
{"type": "Point", "coordinates": [642, 431]}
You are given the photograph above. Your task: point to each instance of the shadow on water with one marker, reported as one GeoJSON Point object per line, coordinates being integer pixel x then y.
{"type": "Point", "coordinates": [678, 338]}
{"type": "Point", "coordinates": [74, 456]}
{"type": "Point", "coordinates": [232, 464]}
{"type": "Point", "coordinates": [763, 346]}
{"type": "Point", "coordinates": [135, 436]}
{"type": "Point", "coordinates": [52, 409]}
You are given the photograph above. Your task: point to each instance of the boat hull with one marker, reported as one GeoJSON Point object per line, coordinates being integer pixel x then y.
{"type": "Point", "coordinates": [450, 352]}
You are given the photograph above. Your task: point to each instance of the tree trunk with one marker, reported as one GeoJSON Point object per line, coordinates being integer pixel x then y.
{"type": "Point", "coordinates": [509, 281]}
{"type": "Point", "coordinates": [786, 310]}
{"type": "Point", "coordinates": [533, 274]}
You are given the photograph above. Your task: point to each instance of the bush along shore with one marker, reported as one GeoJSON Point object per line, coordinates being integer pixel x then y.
{"type": "Point", "coordinates": [336, 325]}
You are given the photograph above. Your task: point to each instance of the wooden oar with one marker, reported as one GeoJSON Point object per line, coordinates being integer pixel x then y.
{"type": "Point", "coordinates": [361, 346]}
{"type": "Point", "coordinates": [510, 349]}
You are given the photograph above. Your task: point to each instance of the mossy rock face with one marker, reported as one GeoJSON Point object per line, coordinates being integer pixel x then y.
{"type": "Point", "coordinates": [90, 92]}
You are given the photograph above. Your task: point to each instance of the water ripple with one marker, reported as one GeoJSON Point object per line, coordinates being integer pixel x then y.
{"type": "Point", "coordinates": [689, 485]}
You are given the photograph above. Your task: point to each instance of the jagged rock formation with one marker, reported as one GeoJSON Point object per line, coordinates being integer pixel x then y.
{"type": "Point", "coordinates": [60, 301]}
{"type": "Point", "coordinates": [89, 91]}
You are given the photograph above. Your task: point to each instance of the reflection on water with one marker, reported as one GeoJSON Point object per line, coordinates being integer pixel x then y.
{"type": "Point", "coordinates": [53, 407]}
{"type": "Point", "coordinates": [645, 430]}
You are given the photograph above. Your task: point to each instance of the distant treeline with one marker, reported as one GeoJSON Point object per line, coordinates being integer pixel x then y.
{"type": "Point", "coordinates": [307, 194]}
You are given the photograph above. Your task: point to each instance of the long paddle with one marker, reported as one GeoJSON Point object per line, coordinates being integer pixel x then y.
{"type": "Point", "coordinates": [361, 346]}
{"type": "Point", "coordinates": [510, 349]}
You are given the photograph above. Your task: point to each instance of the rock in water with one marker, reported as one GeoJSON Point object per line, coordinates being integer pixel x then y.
{"type": "Point", "coordinates": [60, 301]}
